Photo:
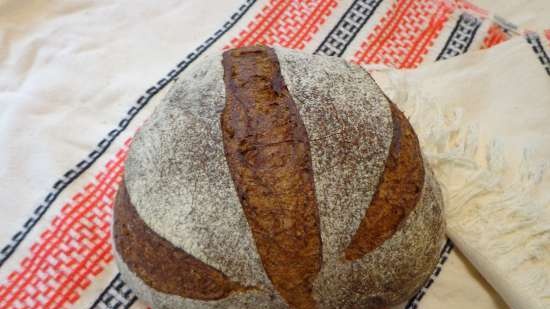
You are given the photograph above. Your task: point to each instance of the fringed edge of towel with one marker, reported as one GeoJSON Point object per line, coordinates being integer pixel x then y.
{"type": "Point", "coordinates": [491, 213]}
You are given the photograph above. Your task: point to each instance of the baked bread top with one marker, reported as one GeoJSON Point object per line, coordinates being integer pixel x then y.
{"type": "Point", "coordinates": [270, 178]}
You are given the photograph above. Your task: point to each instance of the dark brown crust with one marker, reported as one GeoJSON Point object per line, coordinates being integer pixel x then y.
{"type": "Point", "coordinates": [398, 191]}
{"type": "Point", "coordinates": [159, 263]}
{"type": "Point", "coordinates": [267, 150]}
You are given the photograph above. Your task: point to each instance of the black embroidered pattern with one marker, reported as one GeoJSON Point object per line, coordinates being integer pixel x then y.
{"type": "Point", "coordinates": [117, 295]}
{"type": "Point", "coordinates": [461, 37]}
{"type": "Point", "coordinates": [348, 26]}
{"type": "Point", "coordinates": [534, 40]}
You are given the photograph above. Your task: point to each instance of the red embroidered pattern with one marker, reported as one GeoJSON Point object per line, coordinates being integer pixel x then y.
{"type": "Point", "coordinates": [289, 23]}
{"type": "Point", "coordinates": [495, 35]}
{"type": "Point", "coordinates": [405, 33]}
{"type": "Point", "coordinates": [74, 248]}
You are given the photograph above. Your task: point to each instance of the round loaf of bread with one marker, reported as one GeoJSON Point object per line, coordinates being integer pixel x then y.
{"type": "Point", "coordinates": [269, 178]}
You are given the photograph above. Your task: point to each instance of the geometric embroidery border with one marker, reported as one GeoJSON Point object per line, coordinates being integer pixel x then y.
{"type": "Point", "coordinates": [405, 33]}
{"type": "Point", "coordinates": [347, 27]}
{"type": "Point", "coordinates": [117, 295]}
{"type": "Point", "coordinates": [536, 45]}
{"type": "Point", "coordinates": [461, 37]}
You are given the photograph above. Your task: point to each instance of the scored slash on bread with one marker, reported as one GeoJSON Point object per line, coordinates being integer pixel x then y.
{"type": "Point", "coordinates": [398, 191]}
{"type": "Point", "coordinates": [268, 155]}
{"type": "Point", "coordinates": [157, 259]}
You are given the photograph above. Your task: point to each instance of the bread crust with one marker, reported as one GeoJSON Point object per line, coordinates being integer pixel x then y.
{"type": "Point", "coordinates": [398, 191]}
{"type": "Point", "coordinates": [267, 151]}
{"type": "Point", "coordinates": [161, 265]}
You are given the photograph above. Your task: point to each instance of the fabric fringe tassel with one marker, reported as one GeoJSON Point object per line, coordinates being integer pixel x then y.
{"type": "Point", "coordinates": [492, 211]}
